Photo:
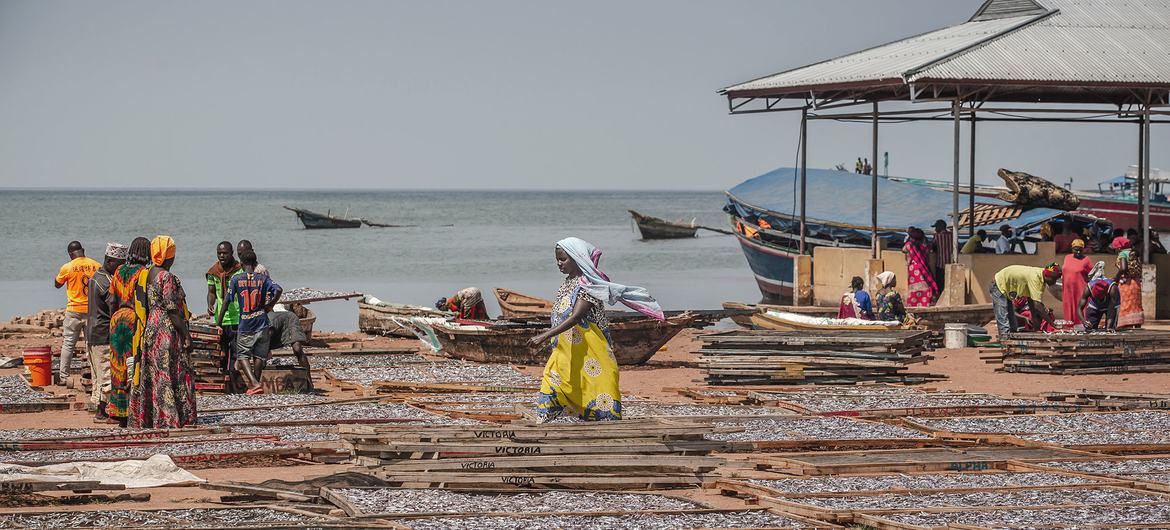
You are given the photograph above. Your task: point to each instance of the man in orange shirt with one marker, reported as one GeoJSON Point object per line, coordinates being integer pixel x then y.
{"type": "Point", "coordinates": [75, 277]}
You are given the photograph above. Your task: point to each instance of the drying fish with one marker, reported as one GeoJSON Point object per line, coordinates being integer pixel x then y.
{"type": "Point", "coordinates": [1099, 496]}
{"type": "Point", "coordinates": [1113, 516]}
{"type": "Point", "coordinates": [322, 414]}
{"type": "Point", "coordinates": [394, 500]}
{"type": "Point", "coordinates": [235, 401]}
{"type": "Point", "coordinates": [193, 518]}
{"type": "Point", "coordinates": [809, 428]}
{"type": "Point", "coordinates": [925, 481]}
{"type": "Point", "coordinates": [754, 519]}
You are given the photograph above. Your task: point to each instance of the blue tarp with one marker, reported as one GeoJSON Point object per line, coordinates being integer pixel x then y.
{"type": "Point", "coordinates": [841, 197]}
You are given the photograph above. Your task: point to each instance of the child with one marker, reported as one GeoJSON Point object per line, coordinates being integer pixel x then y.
{"type": "Point", "coordinates": [256, 294]}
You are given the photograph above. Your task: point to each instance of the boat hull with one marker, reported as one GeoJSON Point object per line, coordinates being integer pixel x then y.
{"type": "Point", "coordinates": [771, 267]}
{"type": "Point", "coordinates": [517, 305]}
{"type": "Point", "coordinates": [379, 319]}
{"type": "Point", "coordinates": [1123, 213]}
{"type": "Point", "coordinates": [930, 317]}
{"type": "Point", "coordinates": [655, 228]}
{"type": "Point", "coordinates": [635, 341]}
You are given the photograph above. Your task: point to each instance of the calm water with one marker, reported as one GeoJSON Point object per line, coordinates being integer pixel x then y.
{"type": "Point", "coordinates": [499, 239]}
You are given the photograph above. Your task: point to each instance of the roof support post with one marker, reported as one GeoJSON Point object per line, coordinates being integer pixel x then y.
{"type": "Point", "coordinates": [970, 189]}
{"type": "Point", "coordinates": [1144, 231]}
{"type": "Point", "coordinates": [1139, 189]}
{"type": "Point", "coordinates": [873, 223]}
{"type": "Point", "coordinates": [803, 175]}
{"type": "Point", "coordinates": [956, 112]}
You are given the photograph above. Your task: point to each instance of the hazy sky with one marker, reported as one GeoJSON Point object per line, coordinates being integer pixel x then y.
{"type": "Point", "coordinates": [468, 94]}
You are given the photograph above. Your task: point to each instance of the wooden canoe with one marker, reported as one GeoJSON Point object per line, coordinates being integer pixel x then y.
{"type": "Point", "coordinates": [930, 317]}
{"type": "Point", "coordinates": [519, 305]}
{"type": "Point", "coordinates": [314, 220]}
{"type": "Point", "coordinates": [636, 339]}
{"type": "Point", "coordinates": [655, 228]}
{"type": "Point", "coordinates": [379, 319]}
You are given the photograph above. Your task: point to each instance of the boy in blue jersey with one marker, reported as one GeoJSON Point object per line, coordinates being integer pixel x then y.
{"type": "Point", "coordinates": [256, 293]}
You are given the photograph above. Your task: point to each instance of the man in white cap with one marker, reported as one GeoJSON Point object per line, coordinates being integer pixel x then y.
{"type": "Point", "coordinates": [97, 329]}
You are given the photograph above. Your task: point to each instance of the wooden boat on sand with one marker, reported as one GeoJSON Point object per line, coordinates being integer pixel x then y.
{"type": "Point", "coordinates": [314, 220]}
{"type": "Point", "coordinates": [519, 305]}
{"type": "Point", "coordinates": [655, 228]}
{"type": "Point", "coordinates": [636, 339]}
{"type": "Point", "coordinates": [930, 317]}
{"type": "Point", "coordinates": [380, 318]}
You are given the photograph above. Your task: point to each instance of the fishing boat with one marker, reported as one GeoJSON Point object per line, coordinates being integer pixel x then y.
{"type": "Point", "coordinates": [655, 228]}
{"type": "Point", "coordinates": [636, 338]}
{"type": "Point", "coordinates": [380, 318]}
{"type": "Point", "coordinates": [519, 305]}
{"type": "Point", "coordinates": [762, 315]}
{"type": "Point", "coordinates": [314, 220]}
{"type": "Point", "coordinates": [765, 218]}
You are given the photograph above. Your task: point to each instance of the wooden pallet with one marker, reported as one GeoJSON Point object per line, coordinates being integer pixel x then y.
{"type": "Point", "coordinates": [907, 460]}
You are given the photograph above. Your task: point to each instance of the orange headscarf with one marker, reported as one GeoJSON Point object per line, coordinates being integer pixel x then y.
{"type": "Point", "coordinates": [162, 248]}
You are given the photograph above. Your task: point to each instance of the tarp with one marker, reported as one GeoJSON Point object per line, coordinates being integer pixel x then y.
{"type": "Point", "coordinates": [158, 470]}
{"type": "Point", "coordinates": [843, 198]}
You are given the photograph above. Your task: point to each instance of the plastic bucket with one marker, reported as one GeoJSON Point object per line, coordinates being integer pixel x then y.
{"type": "Point", "coordinates": [39, 362]}
{"type": "Point", "coordinates": [955, 336]}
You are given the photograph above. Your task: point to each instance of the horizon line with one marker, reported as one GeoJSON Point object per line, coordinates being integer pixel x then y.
{"type": "Point", "coordinates": [277, 190]}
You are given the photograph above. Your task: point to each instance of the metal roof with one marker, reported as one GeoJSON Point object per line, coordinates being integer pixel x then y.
{"type": "Point", "coordinates": [1063, 45]}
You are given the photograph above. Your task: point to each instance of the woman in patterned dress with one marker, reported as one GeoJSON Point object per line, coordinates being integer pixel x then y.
{"type": "Point", "coordinates": [581, 376]}
{"type": "Point", "coordinates": [1129, 284]}
{"type": "Point", "coordinates": [163, 395]}
{"type": "Point", "coordinates": [127, 302]}
{"type": "Point", "coordinates": [921, 286]}
{"type": "Point", "coordinates": [887, 302]}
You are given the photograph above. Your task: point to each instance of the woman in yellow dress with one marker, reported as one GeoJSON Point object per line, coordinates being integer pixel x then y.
{"type": "Point", "coordinates": [581, 377]}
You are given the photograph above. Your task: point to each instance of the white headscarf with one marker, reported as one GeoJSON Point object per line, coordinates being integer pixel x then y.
{"type": "Point", "coordinates": [597, 284]}
{"type": "Point", "coordinates": [884, 279]}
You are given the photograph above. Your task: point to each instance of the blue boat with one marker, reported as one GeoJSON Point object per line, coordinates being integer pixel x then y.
{"type": "Point", "coordinates": [765, 216]}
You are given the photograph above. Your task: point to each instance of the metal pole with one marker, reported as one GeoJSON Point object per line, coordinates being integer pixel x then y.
{"type": "Point", "coordinates": [955, 190]}
{"type": "Point", "coordinates": [873, 223]}
{"type": "Point", "coordinates": [803, 175]}
{"type": "Point", "coordinates": [1145, 230]}
{"type": "Point", "coordinates": [1139, 190]}
{"type": "Point", "coordinates": [971, 187]}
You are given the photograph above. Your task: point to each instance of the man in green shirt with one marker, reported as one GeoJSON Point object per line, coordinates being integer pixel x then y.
{"type": "Point", "coordinates": [218, 277]}
{"type": "Point", "coordinates": [1015, 281]}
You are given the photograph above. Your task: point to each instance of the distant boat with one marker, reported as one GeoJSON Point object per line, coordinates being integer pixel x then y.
{"type": "Point", "coordinates": [315, 220]}
{"type": "Point", "coordinates": [655, 228]}
{"type": "Point", "coordinates": [518, 305]}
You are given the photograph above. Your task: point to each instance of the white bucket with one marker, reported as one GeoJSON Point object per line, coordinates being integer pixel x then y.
{"type": "Point", "coordinates": [955, 336]}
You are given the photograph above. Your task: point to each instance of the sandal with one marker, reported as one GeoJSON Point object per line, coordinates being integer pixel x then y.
{"type": "Point", "coordinates": [254, 390]}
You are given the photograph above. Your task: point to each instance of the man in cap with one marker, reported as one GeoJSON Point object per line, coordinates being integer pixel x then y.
{"type": "Point", "coordinates": [97, 329]}
{"type": "Point", "coordinates": [75, 277]}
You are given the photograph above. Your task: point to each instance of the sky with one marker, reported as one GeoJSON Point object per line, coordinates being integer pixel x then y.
{"type": "Point", "coordinates": [463, 95]}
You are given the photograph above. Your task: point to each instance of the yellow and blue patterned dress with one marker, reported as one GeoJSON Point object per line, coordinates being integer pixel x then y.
{"type": "Point", "coordinates": [581, 376]}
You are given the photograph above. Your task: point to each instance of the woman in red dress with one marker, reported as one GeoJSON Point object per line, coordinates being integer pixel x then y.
{"type": "Point", "coordinates": [1076, 277]}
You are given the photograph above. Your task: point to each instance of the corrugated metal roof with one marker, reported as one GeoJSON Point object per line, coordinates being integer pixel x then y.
{"type": "Point", "coordinates": [1086, 42]}
{"type": "Point", "coordinates": [886, 62]}
{"type": "Point", "coordinates": [1068, 43]}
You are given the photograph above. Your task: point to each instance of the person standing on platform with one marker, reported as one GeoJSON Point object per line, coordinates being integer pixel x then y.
{"type": "Point", "coordinates": [218, 276]}
{"type": "Point", "coordinates": [97, 329]}
{"type": "Point", "coordinates": [257, 294]}
{"type": "Point", "coordinates": [162, 392]}
{"type": "Point", "coordinates": [1129, 266]}
{"type": "Point", "coordinates": [1013, 282]}
{"type": "Point", "coordinates": [942, 245]}
{"type": "Point", "coordinates": [920, 284]}
{"type": "Point", "coordinates": [1064, 238]}
{"type": "Point", "coordinates": [1075, 277]}
{"type": "Point", "coordinates": [75, 277]}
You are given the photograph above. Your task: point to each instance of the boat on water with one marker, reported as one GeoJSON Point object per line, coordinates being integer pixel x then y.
{"type": "Point", "coordinates": [314, 220]}
{"type": "Point", "coordinates": [762, 316]}
{"type": "Point", "coordinates": [765, 218]}
{"type": "Point", "coordinates": [381, 318]}
{"type": "Point", "coordinates": [519, 305]}
{"type": "Point", "coordinates": [656, 228]}
{"type": "Point", "coordinates": [636, 338]}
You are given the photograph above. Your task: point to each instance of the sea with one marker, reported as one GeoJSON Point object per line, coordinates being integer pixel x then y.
{"type": "Point", "coordinates": [455, 239]}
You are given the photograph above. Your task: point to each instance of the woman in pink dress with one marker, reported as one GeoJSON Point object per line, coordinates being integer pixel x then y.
{"type": "Point", "coordinates": [921, 286]}
{"type": "Point", "coordinates": [1076, 277]}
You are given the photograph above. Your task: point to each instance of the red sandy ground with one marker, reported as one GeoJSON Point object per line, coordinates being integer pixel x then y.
{"type": "Point", "coordinates": [667, 370]}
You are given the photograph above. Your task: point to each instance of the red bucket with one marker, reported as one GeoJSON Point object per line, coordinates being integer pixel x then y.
{"type": "Point", "coordinates": [39, 361]}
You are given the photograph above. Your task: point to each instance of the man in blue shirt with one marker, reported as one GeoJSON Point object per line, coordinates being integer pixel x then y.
{"type": "Point", "coordinates": [256, 293]}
